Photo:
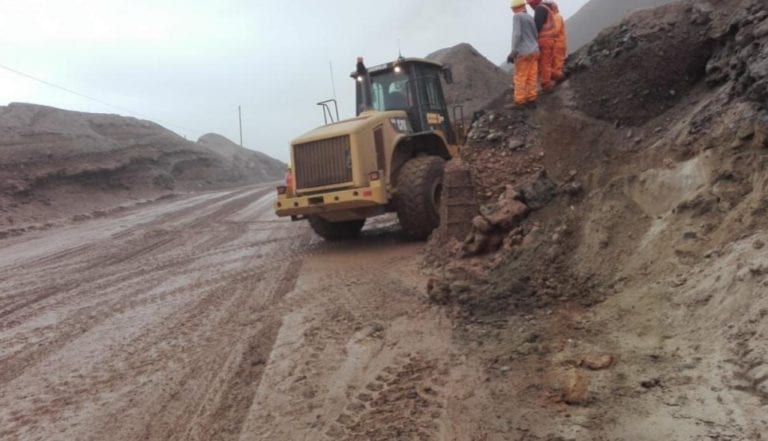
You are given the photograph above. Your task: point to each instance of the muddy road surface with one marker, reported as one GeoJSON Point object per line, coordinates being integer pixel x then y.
{"type": "Point", "coordinates": [206, 318]}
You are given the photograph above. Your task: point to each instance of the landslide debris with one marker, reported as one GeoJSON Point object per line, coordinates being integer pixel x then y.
{"type": "Point", "coordinates": [57, 164]}
{"type": "Point", "coordinates": [625, 217]}
{"type": "Point", "coordinates": [651, 67]}
{"type": "Point", "coordinates": [594, 135]}
{"type": "Point", "coordinates": [596, 15]}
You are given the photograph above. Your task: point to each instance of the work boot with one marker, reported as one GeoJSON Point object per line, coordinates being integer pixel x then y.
{"type": "Point", "coordinates": [515, 105]}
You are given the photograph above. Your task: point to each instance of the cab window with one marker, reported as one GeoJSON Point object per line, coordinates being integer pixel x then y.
{"type": "Point", "coordinates": [433, 94]}
{"type": "Point", "coordinates": [390, 92]}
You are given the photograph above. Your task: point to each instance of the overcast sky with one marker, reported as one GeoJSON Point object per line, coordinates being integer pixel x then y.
{"type": "Point", "coordinates": [188, 64]}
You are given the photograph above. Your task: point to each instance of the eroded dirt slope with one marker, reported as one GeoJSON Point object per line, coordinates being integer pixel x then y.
{"type": "Point", "coordinates": [616, 276]}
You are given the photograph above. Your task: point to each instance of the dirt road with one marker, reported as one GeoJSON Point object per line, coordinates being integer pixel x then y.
{"type": "Point", "coordinates": [205, 317]}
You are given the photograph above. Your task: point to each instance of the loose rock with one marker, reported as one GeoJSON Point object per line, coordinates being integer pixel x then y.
{"type": "Point", "coordinates": [597, 362]}
{"type": "Point", "coordinates": [576, 387]}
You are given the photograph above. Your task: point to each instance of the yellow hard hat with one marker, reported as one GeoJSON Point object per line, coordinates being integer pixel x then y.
{"type": "Point", "coordinates": [518, 3]}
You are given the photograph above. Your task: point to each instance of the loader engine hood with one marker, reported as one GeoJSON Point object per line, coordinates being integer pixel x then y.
{"type": "Point", "coordinates": [349, 126]}
{"type": "Point", "coordinates": [343, 155]}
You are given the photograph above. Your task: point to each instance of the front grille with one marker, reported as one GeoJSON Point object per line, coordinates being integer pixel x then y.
{"type": "Point", "coordinates": [323, 163]}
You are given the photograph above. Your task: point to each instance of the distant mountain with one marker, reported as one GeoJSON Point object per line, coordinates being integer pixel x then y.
{"type": "Point", "coordinates": [507, 67]}
{"type": "Point", "coordinates": [597, 15]}
{"type": "Point", "coordinates": [476, 81]}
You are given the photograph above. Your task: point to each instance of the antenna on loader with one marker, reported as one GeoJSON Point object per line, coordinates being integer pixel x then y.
{"type": "Point", "coordinates": [333, 82]}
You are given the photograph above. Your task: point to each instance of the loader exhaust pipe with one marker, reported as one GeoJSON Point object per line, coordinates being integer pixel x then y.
{"type": "Point", "coordinates": [365, 83]}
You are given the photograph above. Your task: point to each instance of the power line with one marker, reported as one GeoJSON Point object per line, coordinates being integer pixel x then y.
{"type": "Point", "coordinates": [82, 95]}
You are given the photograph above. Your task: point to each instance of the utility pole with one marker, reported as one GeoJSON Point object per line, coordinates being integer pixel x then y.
{"type": "Point", "coordinates": [240, 118]}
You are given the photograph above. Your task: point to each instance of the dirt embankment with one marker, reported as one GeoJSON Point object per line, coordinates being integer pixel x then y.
{"type": "Point", "coordinates": [60, 165]}
{"type": "Point", "coordinates": [618, 264]}
{"type": "Point", "coordinates": [248, 165]}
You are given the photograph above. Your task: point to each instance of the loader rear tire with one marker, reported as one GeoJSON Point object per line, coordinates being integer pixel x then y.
{"type": "Point", "coordinates": [419, 194]}
{"type": "Point", "coordinates": [336, 231]}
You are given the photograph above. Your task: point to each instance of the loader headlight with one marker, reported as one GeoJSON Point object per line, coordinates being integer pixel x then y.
{"type": "Point", "coordinates": [401, 125]}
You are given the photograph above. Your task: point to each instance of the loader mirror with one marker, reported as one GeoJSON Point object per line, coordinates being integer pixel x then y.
{"type": "Point", "coordinates": [448, 74]}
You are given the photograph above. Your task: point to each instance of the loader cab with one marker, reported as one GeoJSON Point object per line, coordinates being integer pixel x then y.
{"type": "Point", "coordinates": [412, 85]}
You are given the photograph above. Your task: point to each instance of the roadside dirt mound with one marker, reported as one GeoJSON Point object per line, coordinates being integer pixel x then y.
{"type": "Point", "coordinates": [626, 226]}
{"type": "Point", "coordinates": [61, 165]}
{"type": "Point", "coordinates": [477, 81]}
{"type": "Point", "coordinates": [251, 166]}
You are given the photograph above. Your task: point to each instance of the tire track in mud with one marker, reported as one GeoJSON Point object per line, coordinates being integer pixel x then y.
{"type": "Point", "coordinates": [70, 328]}
{"type": "Point", "coordinates": [114, 254]}
{"type": "Point", "coordinates": [228, 419]}
{"type": "Point", "coordinates": [182, 213]}
{"type": "Point", "coordinates": [227, 398]}
{"type": "Point", "coordinates": [92, 253]}
{"type": "Point", "coordinates": [260, 270]}
{"type": "Point", "coordinates": [167, 330]}
{"type": "Point", "coordinates": [403, 400]}
{"type": "Point", "coordinates": [105, 276]}
{"type": "Point", "coordinates": [354, 364]}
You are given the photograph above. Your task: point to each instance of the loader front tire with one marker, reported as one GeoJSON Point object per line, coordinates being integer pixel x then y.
{"type": "Point", "coordinates": [336, 231]}
{"type": "Point", "coordinates": [419, 194]}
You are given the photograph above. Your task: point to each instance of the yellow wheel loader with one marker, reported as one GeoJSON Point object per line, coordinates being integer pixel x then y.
{"type": "Point", "coordinates": [389, 158]}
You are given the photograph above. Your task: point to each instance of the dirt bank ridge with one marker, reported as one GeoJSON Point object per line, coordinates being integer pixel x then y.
{"type": "Point", "coordinates": [56, 164]}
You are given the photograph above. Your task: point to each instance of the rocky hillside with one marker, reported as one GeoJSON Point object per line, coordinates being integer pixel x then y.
{"type": "Point", "coordinates": [615, 274]}
{"type": "Point", "coordinates": [477, 81]}
{"type": "Point", "coordinates": [55, 164]}
{"type": "Point", "coordinates": [597, 15]}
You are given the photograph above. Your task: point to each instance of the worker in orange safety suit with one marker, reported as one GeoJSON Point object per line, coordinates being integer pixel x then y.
{"type": "Point", "coordinates": [545, 24]}
{"type": "Point", "coordinates": [561, 43]}
{"type": "Point", "coordinates": [524, 55]}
